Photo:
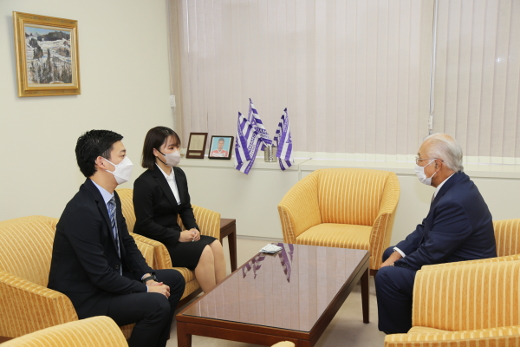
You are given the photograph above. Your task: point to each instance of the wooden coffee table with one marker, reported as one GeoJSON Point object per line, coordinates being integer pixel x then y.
{"type": "Point", "coordinates": [290, 296]}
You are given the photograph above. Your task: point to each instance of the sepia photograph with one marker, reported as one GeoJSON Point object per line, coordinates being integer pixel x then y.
{"type": "Point", "coordinates": [196, 146]}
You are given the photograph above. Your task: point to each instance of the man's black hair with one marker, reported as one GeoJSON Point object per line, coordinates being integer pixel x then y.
{"type": "Point", "coordinates": [92, 144]}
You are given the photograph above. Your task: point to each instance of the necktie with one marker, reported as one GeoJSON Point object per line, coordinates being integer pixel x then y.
{"type": "Point", "coordinates": [112, 215]}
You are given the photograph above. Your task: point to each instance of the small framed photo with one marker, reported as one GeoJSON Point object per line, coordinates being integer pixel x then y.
{"type": "Point", "coordinates": [196, 145]}
{"type": "Point", "coordinates": [220, 147]}
{"type": "Point", "coordinates": [47, 60]}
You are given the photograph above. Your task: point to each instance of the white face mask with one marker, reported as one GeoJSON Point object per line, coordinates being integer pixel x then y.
{"type": "Point", "coordinates": [419, 171]}
{"type": "Point", "coordinates": [173, 158]}
{"type": "Point", "coordinates": [123, 170]}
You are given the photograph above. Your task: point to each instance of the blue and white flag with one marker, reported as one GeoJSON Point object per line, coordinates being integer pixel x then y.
{"type": "Point", "coordinates": [245, 144]}
{"type": "Point", "coordinates": [254, 118]}
{"type": "Point", "coordinates": [250, 134]}
{"type": "Point", "coordinates": [283, 142]}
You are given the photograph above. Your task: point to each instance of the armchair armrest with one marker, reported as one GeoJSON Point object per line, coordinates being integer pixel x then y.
{"type": "Point", "coordinates": [299, 209]}
{"type": "Point", "coordinates": [88, 332]}
{"type": "Point", "coordinates": [467, 262]}
{"type": "Point", "coordinates": [161, 256]}
{"type": "Point", "coordinates": [146, 250]}
{"type": "Point", "coordinates": [208, 221]}
{"type": "Point", "coordinates": [283, 344]}
{"type": "Point", "coordinates": [502, 336]}
{"type": "Point", "coordinates": [382, 229]}
{"type": "Point", "coordinates": [27, 307]}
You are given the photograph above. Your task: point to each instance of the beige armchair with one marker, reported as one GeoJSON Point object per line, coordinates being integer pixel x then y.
{"type": "Point", "coordinates": [349, 208]}
{"type": "Point", "coordinates": [208, 222]}
{"type": "Point", "coordinates": [90, 332]}
{"type": "Point", "coordinates": [468, 305]}
{"type": "Point", "coordinates": [26, 303]}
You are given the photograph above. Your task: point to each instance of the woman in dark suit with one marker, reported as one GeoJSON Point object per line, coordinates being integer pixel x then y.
{"type": "Point", "coordinates": [160, 195]}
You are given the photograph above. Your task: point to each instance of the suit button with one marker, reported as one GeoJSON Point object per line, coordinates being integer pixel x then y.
{"type": "Point", "coordinates": [117, 267]}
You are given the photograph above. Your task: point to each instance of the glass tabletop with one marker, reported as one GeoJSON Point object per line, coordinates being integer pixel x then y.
{"type": "Point", "coordinates": [287, 290]}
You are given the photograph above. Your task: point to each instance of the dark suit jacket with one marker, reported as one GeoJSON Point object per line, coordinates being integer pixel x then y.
{"type": "Point", "coordinates": [85, 264]}
{"type": "Point", "coordinates": [156, 209]}
{"type": "Point", "coordinates": [457, 227]}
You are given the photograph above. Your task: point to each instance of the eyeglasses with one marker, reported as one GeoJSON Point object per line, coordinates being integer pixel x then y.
{"type": "Point", "coordinates": [417, 159]}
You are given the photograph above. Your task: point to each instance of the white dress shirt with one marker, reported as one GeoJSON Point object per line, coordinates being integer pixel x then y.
{"type": "Point", "coordinates": [171, 182]}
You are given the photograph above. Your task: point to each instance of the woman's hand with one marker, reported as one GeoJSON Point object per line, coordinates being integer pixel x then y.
{"type": "Point", "coordinates": [195, 234]}
{"type": "Point", "coordinates": [189, 235]}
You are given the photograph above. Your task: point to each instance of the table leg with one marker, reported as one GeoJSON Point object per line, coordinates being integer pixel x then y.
{"type": "Point", "coordinates": [232, 241]}
{"type": "Point", "coordinates": [364, 296]}
{"type": "Point", "coordinates": [183, 339]}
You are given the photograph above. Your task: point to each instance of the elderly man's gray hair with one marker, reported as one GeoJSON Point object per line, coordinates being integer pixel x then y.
{"type": "Point", "coordinates": [445, 147]}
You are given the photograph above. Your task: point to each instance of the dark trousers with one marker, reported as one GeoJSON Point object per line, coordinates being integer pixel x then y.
{"type": "Point", "coordinates": [151, 312]}
{"type": "Point", "coordinates": [394, 292]}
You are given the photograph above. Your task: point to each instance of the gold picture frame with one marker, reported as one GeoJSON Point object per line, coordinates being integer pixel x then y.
{"type": "Point", "coordinates": [47, 60]}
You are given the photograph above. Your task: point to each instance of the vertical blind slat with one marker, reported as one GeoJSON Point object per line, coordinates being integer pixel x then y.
{"type": "Point", "coordinates": [353, 74]}
{"type": "Point", "coordinates": [477, 76]}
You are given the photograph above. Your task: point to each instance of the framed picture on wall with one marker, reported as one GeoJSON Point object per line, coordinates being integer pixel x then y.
{"type": "Point", "coordinates": [47, 60]}
{"type": "Point", "coordinates": [220, 147]}
{"type": "Point", "coordinates": [196, 145]}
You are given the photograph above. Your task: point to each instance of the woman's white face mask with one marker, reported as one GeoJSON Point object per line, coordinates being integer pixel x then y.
{"type": "Point", "coordinates": [173, 158]}
{"type": "Point", "coordinates": [419, 171]}
{"type": "Point", "coordinates": [122, 171]}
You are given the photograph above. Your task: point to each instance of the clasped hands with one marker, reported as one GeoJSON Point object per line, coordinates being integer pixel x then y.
{"type": "Point", "coordinates": [158, 287]}
{"type": "Point", "coordinates": [189, 235]}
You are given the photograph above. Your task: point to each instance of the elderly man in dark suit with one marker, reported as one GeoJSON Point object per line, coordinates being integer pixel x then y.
{"type": "Point", "coordinates": [96, 263]}
{"type": "Point", "coordinates": [458, 227]}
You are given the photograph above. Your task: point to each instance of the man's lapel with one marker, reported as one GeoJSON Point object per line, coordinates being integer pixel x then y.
{"type": "Point", "coordinates": [454, 179]}
{"type": "Point", "coordinates": [102, 207]}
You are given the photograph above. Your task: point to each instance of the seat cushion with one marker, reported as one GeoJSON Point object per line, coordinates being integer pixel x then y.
{"type": "Point", "coordinates": [426, 330]}
{"type": "Point", "coordinates": [336, 235]}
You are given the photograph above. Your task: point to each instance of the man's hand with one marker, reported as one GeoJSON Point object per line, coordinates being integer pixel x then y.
{"type": "Point", "coordinates": [158, 287]}
{"type": "Point", "coordinates": [392, 259]}
{"type": "Point", "coordinates": [189, 235]}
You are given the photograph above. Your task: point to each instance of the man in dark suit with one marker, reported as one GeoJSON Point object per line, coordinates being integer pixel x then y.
{"type": "Point", "coordinates": [96, 263]}
{"type": "Point", "coordinates": [458, 227]}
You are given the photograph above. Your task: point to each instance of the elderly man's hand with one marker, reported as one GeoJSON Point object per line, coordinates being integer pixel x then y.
{"type": "Point", "coordinates": [392, 259]}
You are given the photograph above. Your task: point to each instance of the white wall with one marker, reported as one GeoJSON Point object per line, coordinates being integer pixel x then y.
{"type": "Point", "coordinates": [253, 199]}
{"type": "Point", "coordinates": [123, 50]}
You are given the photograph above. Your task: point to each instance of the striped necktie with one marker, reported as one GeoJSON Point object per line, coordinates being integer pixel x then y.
{"type": "Point", "coordinates": [112, 215]}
